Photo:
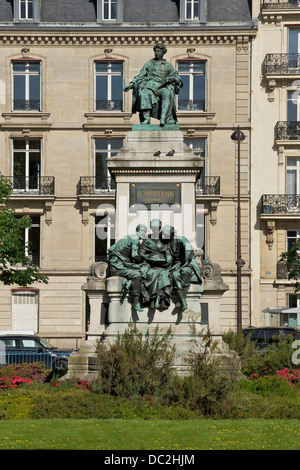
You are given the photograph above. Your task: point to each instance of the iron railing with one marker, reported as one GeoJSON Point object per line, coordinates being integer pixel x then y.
{"type": "Point", "coordinates": [287, 130]}
{"type": "Point", "coordinates": [209, 185]}
{"type": "Point", "coordinates": [280, 4]}
{"type": "Point", "coordinates": [280, 204]}
{"type": "Point", "coordinates": [191, 105]}
{"type": "Point", "coordinates": [89, 185]}
{"type": "Point", "coordinates": [26, 105]}
{"type": "Point", "coordinates": [109, 105]}
{"type": "Point", "coordinates": [41, 185]}
{"type": "Point", "coordinates": [281, 63]}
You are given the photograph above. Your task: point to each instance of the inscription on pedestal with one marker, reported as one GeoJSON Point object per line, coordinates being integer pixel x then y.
{"type": "Point", "coordinates": [145, 195]}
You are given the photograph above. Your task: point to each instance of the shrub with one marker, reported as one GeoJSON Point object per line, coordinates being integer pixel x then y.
{"type": "Point", "coordinates": [208, 386]}
{"type": "Point", "coordinates": [268, 360]}
{"type": "Point", "coordinates": [136, 364]}
{"type": "Point", "coordinates": [34, 371]}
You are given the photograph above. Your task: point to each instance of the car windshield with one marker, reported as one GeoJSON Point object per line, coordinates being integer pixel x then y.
{"type": "Point", "coordinates": [46, 343]}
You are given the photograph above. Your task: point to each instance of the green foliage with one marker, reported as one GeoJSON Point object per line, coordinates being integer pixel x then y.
{"type": "Point", "coordinates": [268, 386]}
{"type": "Point", "coordinates": [292, 260]}
{"type": "Point", "coordinates": [136, 364]}
{"type": "Point", "coordinates": [208, 386]}
{"type": "Point", "coordinates": [12, 248]}
{"type": "Point", "coordinates": [254, 361]}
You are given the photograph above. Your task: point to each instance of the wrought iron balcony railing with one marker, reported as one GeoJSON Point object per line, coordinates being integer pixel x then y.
{"type": "Point", "coordinates": [287, 130]}
{"type": "Point", "coordinates": [209, 185]}
{"type": "Point", "coordinates": [284, 204]}
{"type": "Point", "coordinates": [109, 105]}
{"type": "Point", "coordinates": [41, 185]}
{"type": "Point", "coordinates": [191, 105]}
{"type": "Point", "coordinates": [27, 105]}
{"type": "Point", "coordinates": [281, 64]}
{"type": "Point", "coordinates": [89, 185]}
{"type": "Point", "coordinates": [280, 4]}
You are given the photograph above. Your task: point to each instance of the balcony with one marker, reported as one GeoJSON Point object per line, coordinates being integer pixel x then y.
{"type": "Point", "coordinates": [208, 186]}
{"type": "Point", "coordinates": [32, 185]}
{"type": "Point", "coordinates": [280, 4]}
{"type": "Point", "coordinates": [26, 105]}
{"type": "Point", "coordinates": [191, 105]}
{"type": "Point", "coordinates": [281, 64]}
{"type": "Point", "coordinates": [93, 185]}
{"type": "Point", "coordinates": [109, 105]}
{"type": "Point", "coordinates": [280, 204]}
{"type": "Point", "coordinates": [287, 130]}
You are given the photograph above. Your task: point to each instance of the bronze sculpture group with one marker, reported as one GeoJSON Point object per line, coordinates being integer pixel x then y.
{"type": "Point", "coordinates": [155, 266]}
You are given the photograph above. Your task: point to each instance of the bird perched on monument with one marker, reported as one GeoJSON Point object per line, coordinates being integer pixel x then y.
{"type": "Point", "coordinates": [171, 153]}
{"type": "Point", "coordinates": [157, 154]}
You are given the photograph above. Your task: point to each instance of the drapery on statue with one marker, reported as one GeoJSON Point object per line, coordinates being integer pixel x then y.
{"type": "Point", "coordinates": [155, 267]}
{"type": "Point", "coordinates": [154, 89]}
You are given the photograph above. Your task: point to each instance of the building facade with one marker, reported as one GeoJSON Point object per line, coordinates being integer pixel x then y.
{"type": "Point", "coordinates": [64, 112]}
{"type": "Point", "coordinates": [275, 159]}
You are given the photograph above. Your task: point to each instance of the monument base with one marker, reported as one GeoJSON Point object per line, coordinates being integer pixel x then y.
{"type": "Point", "coordinates": [110, 315]}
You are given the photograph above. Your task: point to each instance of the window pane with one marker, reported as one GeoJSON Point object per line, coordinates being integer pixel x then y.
{"type": "Point", "coordinates": [116, 144]}
{"type": "Point", "coordinates": [113, 14]}
{"type": "Point", "coordinates": [101, 92]}
{"type": "Point", "coordinates": [291, 107]}
{"type": "Point", "coordinates": [183, 67]}
{"type": "Point", "coordinates": [101, 67]}
{"type": "Point", "coordinates": [117, 90]}
{"type": "Point", "coordinates": [35, 144]}
{"type": "Point", "coordinates": [19, 171]}
{"type": "Point", "coordinates": [19, 67]}
{"type": "Point", "coordinates": [19, 91]}
{"type": "Point", "coordinates": [293, 41]}
{"type": "Point", "coordinates": [34, 92]}
{"type": "Point", "coordinates": [101, 168]}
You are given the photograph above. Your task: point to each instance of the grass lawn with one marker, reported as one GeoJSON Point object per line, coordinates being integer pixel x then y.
{"type": "Point", "coordinates": [135, 434]}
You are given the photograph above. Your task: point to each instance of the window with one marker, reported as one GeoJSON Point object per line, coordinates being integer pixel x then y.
{"type": "Point", "coordinates": [198, 146]}
{"type": "Point", "coordinates": [293, 176]}
{"type": "Point", "coordinates": [104, 236]}
{"type": "Point", "coordinates": [26, 9]}
{"type": "Point", "coordinates": [25, 310]}
{"type": "Point", "coordinates": [109, 86]}
{"type": "Point", "coordinates": [292, 236]}
{"type": "Point", "coordinates": [192, 95]}
{"type": "Point", "coordinates": [31, 237]}
{"type": "Point", "coordinates": [105, 149]}
{"type": "Point", "coordinates": [26, 86]}
{"type": "Point", "coordinates": [192, 10]}
{"type": "Point", "coordinates": [109, 11]}
{"type": "Point", "coordinates": [291, 319]}
{"type": "Point", "coordinates": [26, 165]}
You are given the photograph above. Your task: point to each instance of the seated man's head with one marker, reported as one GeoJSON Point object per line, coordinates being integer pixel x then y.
{"type": "Point", "coordinates": [159, 50]}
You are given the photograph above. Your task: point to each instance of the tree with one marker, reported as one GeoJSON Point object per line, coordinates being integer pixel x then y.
{"type": "Point", "coordinates": [291, 258]}
{"type": "Point", "coordinates": [15, 266]}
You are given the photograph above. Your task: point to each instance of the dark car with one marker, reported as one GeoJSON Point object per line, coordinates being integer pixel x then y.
{"type": "Point", "coordinates": [264, 336]}
{"type": "Point", "coordinates": [18, 347]}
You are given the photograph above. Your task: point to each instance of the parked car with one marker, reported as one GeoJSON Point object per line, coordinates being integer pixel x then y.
{"type": "Point", "coordinates": [18, 347]}
{"type": "Point", "coordinates": [264, 336]}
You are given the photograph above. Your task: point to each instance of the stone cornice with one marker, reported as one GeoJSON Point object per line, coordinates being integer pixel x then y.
{"type": "Point", "coordinates": [81, 38]}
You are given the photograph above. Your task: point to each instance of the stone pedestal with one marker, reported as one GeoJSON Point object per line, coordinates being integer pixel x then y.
{"type": "Point", "coordinates": [155, 174]}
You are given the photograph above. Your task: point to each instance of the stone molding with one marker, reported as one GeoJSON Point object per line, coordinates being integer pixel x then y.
{"type": "Point", "coordinates": [113, 37]}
